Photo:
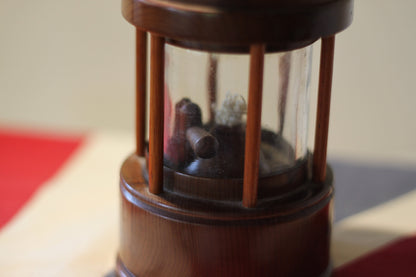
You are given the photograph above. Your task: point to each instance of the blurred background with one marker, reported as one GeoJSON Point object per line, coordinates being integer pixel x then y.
{"type": "Point", "coordinates": [69, 66]}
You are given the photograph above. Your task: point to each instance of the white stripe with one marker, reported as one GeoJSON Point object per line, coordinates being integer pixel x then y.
{"type": "Point", "coordinates": [70, 227]}
{"type": "Point", "coordinates": [366, 231]}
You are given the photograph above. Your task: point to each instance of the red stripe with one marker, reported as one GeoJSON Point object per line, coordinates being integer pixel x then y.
{"type": "Point", "coordinates": [26, 162]}
{"type": "Point", "coordinates": [396, 259]}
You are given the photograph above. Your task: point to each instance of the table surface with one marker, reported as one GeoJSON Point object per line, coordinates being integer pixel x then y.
{"type": "Point", "coordinates": [59, 208]}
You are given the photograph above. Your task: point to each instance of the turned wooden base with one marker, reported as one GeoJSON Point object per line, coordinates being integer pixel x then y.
{"type": "Point", "coordinates": [173, 235]}
{"type": "Point", "coordinates": [122, 271]}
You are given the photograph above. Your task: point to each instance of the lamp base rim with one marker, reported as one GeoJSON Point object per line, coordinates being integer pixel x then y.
{"type": "Point", "coordinates": [172, 235]}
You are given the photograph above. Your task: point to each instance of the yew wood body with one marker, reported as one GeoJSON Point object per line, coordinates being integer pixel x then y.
{"type": "Point", "coordinates": [141, 90]}
{"type": "Point", "coordinates": [253, 129]}
{"type": "Point", "coordinates": [233, 25]}
{"type": "Point", "coordinates": [157, 71]}
{"type": "Point", "coordinates": [324, 105]}
{"type": "Point", "coordinates": [172, 235]}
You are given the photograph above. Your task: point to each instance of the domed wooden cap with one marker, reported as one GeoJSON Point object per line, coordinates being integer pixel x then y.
{"type": "Point", "coordinates": [231, 24]}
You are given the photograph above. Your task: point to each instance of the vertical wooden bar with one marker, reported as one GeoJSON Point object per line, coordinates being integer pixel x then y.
{"type": "Point", "coordinates": [323, 109]}
{"type": "Point", "coordinates": [212, 86]}
{"type": "Point", "coordinates": [141, 68]}
{"type": "Point", "coordinates": [157, 63]}
{"type": "Point", "coordinates": [253, 128]}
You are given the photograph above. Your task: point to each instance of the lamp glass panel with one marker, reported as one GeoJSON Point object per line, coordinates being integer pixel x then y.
{"type": "Point", "coordinates": [206, 111]}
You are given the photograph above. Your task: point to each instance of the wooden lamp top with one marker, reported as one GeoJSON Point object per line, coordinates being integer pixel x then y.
{"type": "Point", "coordinates": [232, 25]}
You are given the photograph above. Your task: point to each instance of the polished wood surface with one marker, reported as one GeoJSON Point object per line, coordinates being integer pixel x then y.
{"type": "Point", "coordinates": [212, 86]}
{"type": "Point", "coordinates": [175, 235]}
{"type": "Point", "coordinates": [253, 129]}
{"type": "Point", "coordinates": [157, 69]}
{"type": "Point", "coordinates": [213, 24]}
{"type": "Point", "coordinates": [141, 80]}
{"type": "Point", "coordinates": [203, 144]}
{"type": "Point", "coordinates": [323, 109]}
{"type": "Point", "coordinates": [231, 189]}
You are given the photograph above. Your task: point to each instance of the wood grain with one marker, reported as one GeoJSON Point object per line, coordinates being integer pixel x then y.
{"type": "Point", "coordinates": [216, 24]}
{"type": "Point", "coordinates": [212, 86]}
{"type": "Point", "coordinates": [141, 69]}
{"type": "Point", "coordinates": [175, 235]}
{"type": "Point", "coordinates": [253, 129]}
{"type": "Point", "coordinates": [231, 189]}
{"type": "Point", "coordinates": [157, 67]}
{"type": "Point", "coordinates": [323, 109]}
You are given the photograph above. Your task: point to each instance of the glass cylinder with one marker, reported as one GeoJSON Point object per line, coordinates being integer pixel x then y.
{"type": "Point", "coordinates": [206, 109]}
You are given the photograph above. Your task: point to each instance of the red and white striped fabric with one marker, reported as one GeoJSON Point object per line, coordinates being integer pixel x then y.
{"type": "Point", "coordinates": [59, 212]}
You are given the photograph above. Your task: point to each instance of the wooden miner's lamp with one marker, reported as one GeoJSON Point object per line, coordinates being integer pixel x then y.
{"type": "Point", "coordinates": [225, 185]}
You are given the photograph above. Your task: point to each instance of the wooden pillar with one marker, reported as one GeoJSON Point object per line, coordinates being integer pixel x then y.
{"type": "Point", "coordinates": [212, 86]}
{"type": "Point", "coordinates": [323, 109]}
{"type": "Point", "coordinates": [253, 129]}
{"type": "Point", "coordinates": [141, 68]}
{"type": "Point", "coordinates": [157, 64]}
